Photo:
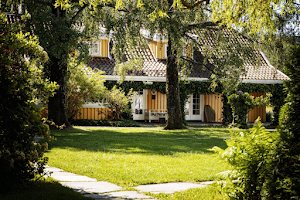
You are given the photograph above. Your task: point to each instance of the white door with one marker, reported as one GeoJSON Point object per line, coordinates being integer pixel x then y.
{"type": "Point", "coordinates": [138, 105]}
{"type": "Point", "coordinates": [194, 107]}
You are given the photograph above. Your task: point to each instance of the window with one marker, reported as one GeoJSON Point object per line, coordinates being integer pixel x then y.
{"type": "Point", "coordinates": [95, 49]}
{"type": "Point", "coordinates": [166, 50]}
{"type": "Point", "coordinates": [196, 104]}
{"type": "Point", "coordinates": [138, 101]}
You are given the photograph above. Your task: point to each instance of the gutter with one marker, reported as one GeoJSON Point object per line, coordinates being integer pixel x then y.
{"type": "Point", "coordinates": [269, 64]}
{"type": "Point", "coordinates": [163, 79]}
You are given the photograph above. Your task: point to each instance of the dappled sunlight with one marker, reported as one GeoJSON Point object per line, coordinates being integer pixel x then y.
{"type": "Point", "coordinates": [135, 156]}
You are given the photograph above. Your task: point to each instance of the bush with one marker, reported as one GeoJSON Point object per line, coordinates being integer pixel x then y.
{"type": "Point", "coordinates": [84, 85]}
{"type": "Point", "coordinates": [269, 116]}
{"type": "Point", "coordinates": [285, 180]}
{"type": "Point", "coordinates": [20, 85]}
{"type": "Point", "coordinates": [249, 154]}
{"type": "Point", "coordinates": [90, 122]}
{"type": "Point", "coordinates": [241, 104]}
{"type": "Point", "coordinates": [267, 164]}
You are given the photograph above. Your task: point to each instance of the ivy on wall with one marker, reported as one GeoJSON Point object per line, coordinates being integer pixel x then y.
{"type": "Point", "coordinates": [197, 87]}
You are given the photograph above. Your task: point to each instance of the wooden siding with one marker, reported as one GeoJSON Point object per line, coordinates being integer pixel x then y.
{"type": "Point", "coordinates": [94, 113]}
{"type": "Point", "coordinates": [215, 101]}
{"type": "Point", "coordinates": [104, 48]}
{"type": "Point", "coordinates": [158, 49]}
{"type": "Point", "coordinates": [153, 45]}
{"type": "Point", "coordinates": [160, 101]}
{"type": "Point", "coordinates": [259, 111]}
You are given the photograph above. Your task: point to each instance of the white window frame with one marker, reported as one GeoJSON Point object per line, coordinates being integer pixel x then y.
{"type": "Point", "coordinates": [166, 51]}
{"type": "Point", "coordinates": [92, 46]}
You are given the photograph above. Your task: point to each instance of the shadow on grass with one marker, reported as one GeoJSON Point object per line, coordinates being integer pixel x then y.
{"type": "Point", "coordinates": [42, 190]}
{"type": "Point", "coordinates": [140, 140]}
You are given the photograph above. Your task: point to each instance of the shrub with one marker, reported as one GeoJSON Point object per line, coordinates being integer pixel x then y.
{"type": "Point", "coordinates": [249, 154]}
{"type": "Point", "coordinates": [241, 104]}
{"type": "Point", "coordinates": [20, 85]}
{"type": "Point", "coordinates": [285, 180]}
{"type": "Point", "coordinates": [119, 103]}
{"type": "Point", "coordinates": [83, 85]}
{"type": "Point", "coordinates": [267, 165]}
{"type": "Point", "coordinates": [89, 122]}
{"type": "Point", "coordinates": [269, 116]}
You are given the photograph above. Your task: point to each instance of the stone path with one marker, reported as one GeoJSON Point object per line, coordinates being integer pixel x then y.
{"type": "Point", "coordinates": [98, 190]}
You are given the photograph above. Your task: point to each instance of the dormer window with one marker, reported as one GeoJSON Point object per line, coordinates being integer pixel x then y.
{"type": "Point", "coordinates": [95, 49]}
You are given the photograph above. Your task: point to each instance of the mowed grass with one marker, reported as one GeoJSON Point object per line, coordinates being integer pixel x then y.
{"type": "Point", "coordinates": [136, 156]}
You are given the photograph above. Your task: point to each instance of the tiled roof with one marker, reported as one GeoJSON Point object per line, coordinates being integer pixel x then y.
{"type": "Point", "coordinates": [153, 67]}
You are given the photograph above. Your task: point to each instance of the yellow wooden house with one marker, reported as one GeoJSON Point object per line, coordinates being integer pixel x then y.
{"type": "Point", "coordinates": [152, 105]}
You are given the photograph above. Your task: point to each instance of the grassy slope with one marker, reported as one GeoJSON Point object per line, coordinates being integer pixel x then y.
{"type": "Point", "coordinates": [135, 156]}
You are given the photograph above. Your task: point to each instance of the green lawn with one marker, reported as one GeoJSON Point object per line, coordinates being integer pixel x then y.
{"type": "Point", "coordinates": [135, 156]}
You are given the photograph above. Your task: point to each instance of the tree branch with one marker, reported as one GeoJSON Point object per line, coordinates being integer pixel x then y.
{"type": "Point", "coordinates": [202, 65]}
{"type": "Point", "coordinates": [190, 6]}
{"type": "Point", "coordinates": [200, 25]}
{"type": "Point", "coordinates": [80, 11]}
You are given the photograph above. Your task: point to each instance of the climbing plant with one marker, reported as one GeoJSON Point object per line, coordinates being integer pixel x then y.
{"type": "Point", "coordinates": [241, 103]}
{"type": "Point", "coordinates": [197, 87]}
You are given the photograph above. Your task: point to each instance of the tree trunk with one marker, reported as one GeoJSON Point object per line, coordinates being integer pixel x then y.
{"type": "Point", "coordinates": [173, 95]}
{"type": "Point", "coordinates": [57, 106]}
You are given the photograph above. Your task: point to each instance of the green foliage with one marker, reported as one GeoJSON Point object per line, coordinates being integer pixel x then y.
{"type": "Point", "coordinates": [196, 87]}
{"type": "Point", "coordinates": [269, 116]}
{"type": "Point", "coordinates": [89, 122]}
{"type": "Point", "coordinates": [84, 85]}
{"type": "Point", "coordinates": [254, 16]}
{"type": "Point", "coordinates": [249, 154]}
{"type": "Point", "coordinates": [285, 180]}
{"type": "Point", "coordinates": [119, 103]}
{"type": "Point", "coordinates": [242, 103]}
{"type": "Point", "coordinates": [267, 164]}
{"type": "Point", "coordinates": [20, 57]}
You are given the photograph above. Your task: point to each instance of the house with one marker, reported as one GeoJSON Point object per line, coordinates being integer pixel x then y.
{"type": "Point", "coordinates": [150, 104]}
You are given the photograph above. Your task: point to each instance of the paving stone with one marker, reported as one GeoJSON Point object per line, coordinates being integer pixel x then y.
{"type": "Point", "coordinates": [53, 169]}
{"type": "Point", "coordinates": [67, 176]}
{"type": "Point", "coordinates": [168, 187]}
{"type": "Point", "coordinates": [92, 187]}
{"type": "Point", "coordinates": [121, 194]}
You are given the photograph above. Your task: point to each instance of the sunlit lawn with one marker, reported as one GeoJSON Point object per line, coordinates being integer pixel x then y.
{"type": "Point", "coordinates": [135, 156]}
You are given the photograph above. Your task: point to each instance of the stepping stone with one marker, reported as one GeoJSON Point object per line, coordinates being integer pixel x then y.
{"type": "Point", "coordinates": [53, 169]}
{"type": "Point", "coordinates": [67, 176]}
{"type": "Point", "coordinates": [168, 188]}
{"type": "Point", "coordinates": [92, 187]}
{"type": "Point", "coordinates": [118, 195]}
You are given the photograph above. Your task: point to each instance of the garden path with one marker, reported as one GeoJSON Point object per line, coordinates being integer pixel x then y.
{"type": "Point", "coordinates": [101, 190]}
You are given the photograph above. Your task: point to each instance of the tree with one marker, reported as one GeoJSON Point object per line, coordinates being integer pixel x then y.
{"type": "Point", "coordinates": [21, 87]}
{"type": "Point", "coordinates": [285, 161]}
{"type": "Point", "coordinates": [54, 22]}
{"type": "Point", "coordinates": [186, 24]}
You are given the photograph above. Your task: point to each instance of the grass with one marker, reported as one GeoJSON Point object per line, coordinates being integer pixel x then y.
{"type": "Point", "coordinates": [211, 192]}
{"type": "Point", "coordinates": [45, 189]}
{"type": "Point", "coordinates": [136, 156]}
